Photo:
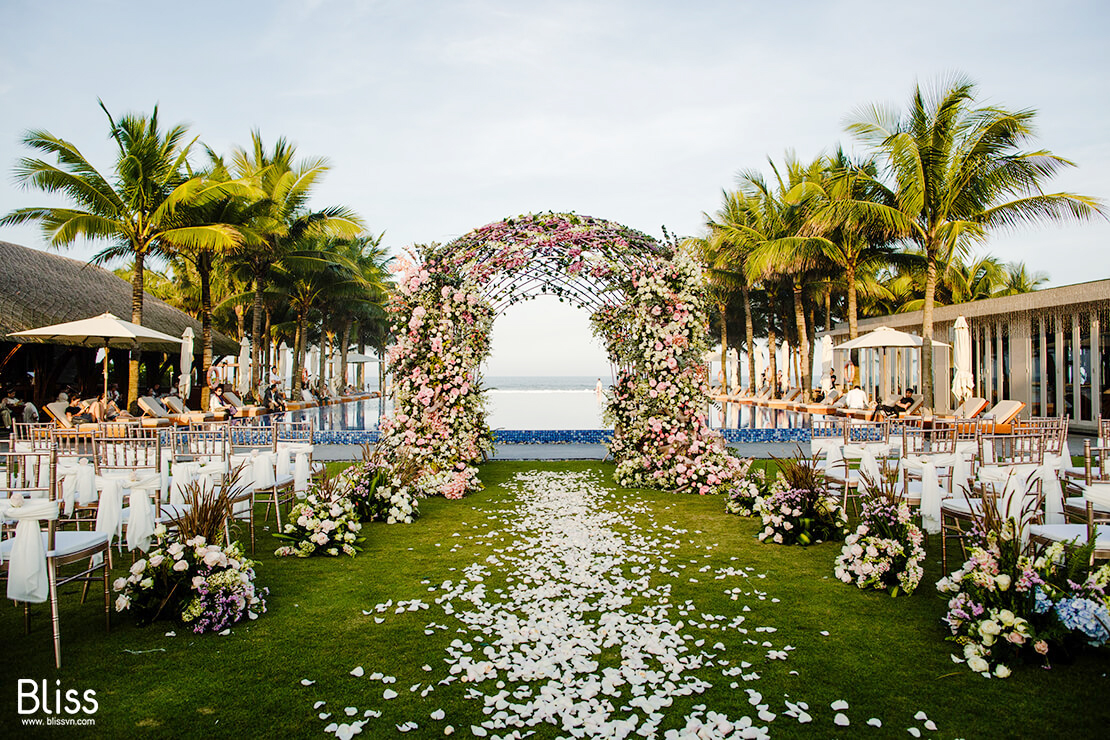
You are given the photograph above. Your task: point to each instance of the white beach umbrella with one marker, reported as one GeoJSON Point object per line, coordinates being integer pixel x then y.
{"type": "Point", "coordinates": [733, 368]}
{"type": "Point", "coordinates": [244, 377]}
{"type": "Point", "coordinates": [826, 362]}
{"type": "Point", "coordinates": [963, 381]}
{"type": "Point", "coordinates": [761, 363]}
{"type": "Point", "coordinates": [104, 331]}
{"type": "Point", "coordinates": [312, 360]}
{"type": "Point", "coordinates": [884, 336]}
{"type": "Point", "coordinates": [283, 363]}
{"type": "Point", "coordinates": [185, 382]}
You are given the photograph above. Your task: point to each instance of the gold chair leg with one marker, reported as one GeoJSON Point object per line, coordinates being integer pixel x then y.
{"type": "Point", "coordinates": [55, 622]}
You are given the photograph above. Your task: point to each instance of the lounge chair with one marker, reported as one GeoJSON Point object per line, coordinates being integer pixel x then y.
{"type": "Point", "coordinates": [1003, 414]}
{"type": "Point", "coordinates": [177, 406]}
{"type": "Point", "coordinates": [154, 409]}
{"type": "Point", "coordinates": [914, 407]}
{"type": "Point", "coordinates": [308, 401]}
{"type": "Point", "coordinates": [243, 410]}
{"type": "Point", "coordinates": [787, 397]}
{"type": "Point", "coordinates": [969, 409]}
{"type": "Point", "coordinates": [763, 394]}
{"type": "Point", "coordinates": [56, 410]}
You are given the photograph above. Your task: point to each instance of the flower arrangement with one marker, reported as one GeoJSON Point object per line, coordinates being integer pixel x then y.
{"type": "Point", "coordinates": [206, 586]}
{"type": "Point", "coordinates": [803, 511]}
{"type": "Point", "coordinates": [1006, 607]}
{"type": "Point", "coordinates": [885, 552]}
{"type": "Point", "coordinates": [325, 522]}
{"type": "Point", "coordinates": [746, 496]}
{"type": "Point", "coordinates": [381, 487]}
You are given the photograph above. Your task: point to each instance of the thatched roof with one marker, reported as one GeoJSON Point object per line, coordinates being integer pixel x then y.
{"type": "Point", "coordinates": [39, 288]}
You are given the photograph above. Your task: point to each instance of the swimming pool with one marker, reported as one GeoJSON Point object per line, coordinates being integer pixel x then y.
{"type": "Point", "coordinates": [356, 422]}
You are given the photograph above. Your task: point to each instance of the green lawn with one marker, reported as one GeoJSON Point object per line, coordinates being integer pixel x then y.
{"type": "Point", "coordinates": [886, 657]}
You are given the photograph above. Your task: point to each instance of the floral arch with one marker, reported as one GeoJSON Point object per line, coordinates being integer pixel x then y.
{"type": "Point", "coordinates": [646, 304]}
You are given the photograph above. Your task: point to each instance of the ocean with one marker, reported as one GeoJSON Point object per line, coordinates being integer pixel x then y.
{"type": "Point", "coordinates": [544, 401]}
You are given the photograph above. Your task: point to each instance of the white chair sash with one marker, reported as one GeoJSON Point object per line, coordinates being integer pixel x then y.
{"type": "Point", "coordinates": [78, 483]}
{"type": "Point", "coordinates": [1016, 479]}
{"type": "Point", "coordinates": [1098, 494]}
{"type": "Point", "coordinates": [27, 574]}
{"type": "Point", "coordinates": [183, 474]}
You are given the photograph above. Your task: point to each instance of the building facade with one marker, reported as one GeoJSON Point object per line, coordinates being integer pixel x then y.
{"type": "Point", "coordinates": [1049, 349]}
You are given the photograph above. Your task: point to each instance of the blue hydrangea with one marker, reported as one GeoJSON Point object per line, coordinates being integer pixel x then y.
{"type": "Point", "coordinates": [1086, 616]}
{"type": "Point", "coordinates": [1043, 603]}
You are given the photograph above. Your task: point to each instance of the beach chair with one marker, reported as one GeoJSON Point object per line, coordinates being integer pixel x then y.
{"type": "Point", "coordinates": [915, 406]}
{"type": "Point", "coordinates": [154, 409]}
{"type": "Point", "coordinates": [787, 397]}
{"type": "Point", "coordinates": [176, 406]}
{"type": "Point", "coordinates": [56, 410]}
{"type": "Point", "coordinates": [969, 409]}
{"type": "Point", "coordinates": [307, 401]}
{"type": "Point", "coordinates": [1002, 415]}
{"type": "Point", "coordinates": [243, 410]}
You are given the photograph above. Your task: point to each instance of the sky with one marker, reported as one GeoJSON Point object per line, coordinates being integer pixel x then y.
{"type": "Point", "coordinates": [439, 117]}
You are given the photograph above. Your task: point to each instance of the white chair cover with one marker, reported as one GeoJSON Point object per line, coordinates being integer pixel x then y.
{"type": "Point", "coordinates": [27, 575]}
{"type": "Point", "coordinates": [109, 515]}
{"type": "Point", "coordinates": [301, 467]}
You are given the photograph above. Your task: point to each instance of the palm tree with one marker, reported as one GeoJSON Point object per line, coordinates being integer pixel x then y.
{"type": "Point", "coordinates": [367, 261]}
{"type": "Point", "coordinates": [137, 210]}
{"type": "Point", "coordinates": [733, 231]}
{"type": "Point", "coordinates": [282, 217]}
{"type": "Point", "coordinates": [957, 172]}
{"type": "Point", "coordinates": [1018, 279]}
{"type": "Point", "coordinates": [851, 240]}
{"type": "Point", "coordinates": [783, 251]}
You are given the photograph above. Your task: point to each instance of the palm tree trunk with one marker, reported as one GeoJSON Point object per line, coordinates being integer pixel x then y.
{"type": "Point", "coordinates": [345, 339]}
{"type": "Point", "coordinates": [828, 307]}
{"type": "Point", "coordinates": [136, 318]}
{"type": "Point", "coordinates": [323, 364]}
{"type": "Point", "coordinates": [927, 334]}
{"type": "Point", "coordinates": [721, 307]}
{"type": "Point", "coordinates": [298, 339]}
{"type": "Point", "coordinates": [749, 331]}
{"type": "Point", "coordinates": [204, 269]}
{"type": "Point", "coordinates": [256, 330]}
{"type": "Point", "coordinates": [772, 351]}
{"type": "Point", "coordinates": [853, 319]}
{"type": "Point", "coordinates": [266, 330]}
{"type": "Point", "coordinates": [803, 337]}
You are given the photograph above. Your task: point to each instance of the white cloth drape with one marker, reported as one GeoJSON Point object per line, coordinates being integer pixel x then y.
{"type": "Point", "coordinates": [78, 483]}
{"type": "Point", "coordinates": [27, 574]}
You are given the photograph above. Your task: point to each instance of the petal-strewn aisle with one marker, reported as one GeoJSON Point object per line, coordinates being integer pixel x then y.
{"type": "Point", "coordinates": [582, 636]}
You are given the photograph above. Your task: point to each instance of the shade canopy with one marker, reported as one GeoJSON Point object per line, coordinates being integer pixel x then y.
{"type": "Point", "coordinates": [105, 330]}
{"type": "Point", "coordinates": [884, 336]}
{"type": "Point", "coordinates": [99, 331]}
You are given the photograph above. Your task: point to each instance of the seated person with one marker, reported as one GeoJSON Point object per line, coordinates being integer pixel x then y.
{"type": "Point", "coordinates": [78, 414]}
{"type": "Point", "coordinates": [273, 399]}
{"type": "Point", "coordinates": [8, 405]}
{"type": "Point", "coordinates": [30, 413]}
{"type": "Point", "coordinates": [902, 404]}
{"type": "Point", "coordinates": [218, 401]}
{"type": "Point", "coordinates": [855, 398]}
{"type": "Point", "coordinates": [103, 409]}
